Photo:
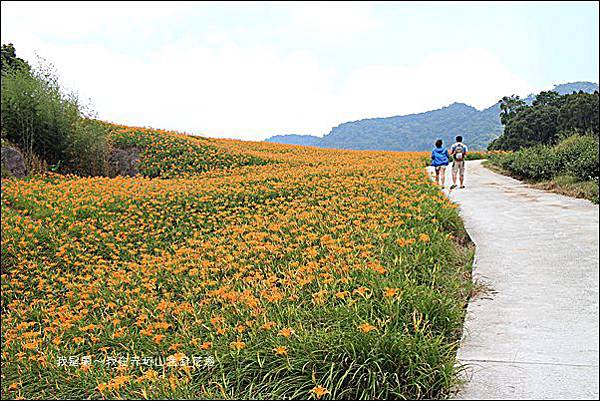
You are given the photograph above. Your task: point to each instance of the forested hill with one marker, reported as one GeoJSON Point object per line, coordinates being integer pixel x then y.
{"type": "Point", "coordinates": [417, 132]}
{"type": "Point", "coordinates": [567, 89]}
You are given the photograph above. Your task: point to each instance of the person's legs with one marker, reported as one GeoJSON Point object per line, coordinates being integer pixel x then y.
{"type": "Point", "coordinates": [437, 175]}
{"type": "Point", "coordinates": [462, 174]}
{"type": "Point", "coordinates": [454, 171]}
{"type": "Point", "coordinates": [443, 175]}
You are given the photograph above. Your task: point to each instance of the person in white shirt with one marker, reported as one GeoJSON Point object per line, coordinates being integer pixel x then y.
{"type": "Point", "coordinates": [458, 151]}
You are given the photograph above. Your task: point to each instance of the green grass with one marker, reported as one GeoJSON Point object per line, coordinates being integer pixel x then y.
{"type": "Point", "coordinates": [571, 186]}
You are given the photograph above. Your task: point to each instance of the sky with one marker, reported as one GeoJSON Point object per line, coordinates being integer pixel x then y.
{"type": "Point", "coordinates": [253, 70]}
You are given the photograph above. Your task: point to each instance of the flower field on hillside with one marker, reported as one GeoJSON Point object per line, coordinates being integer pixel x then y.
{"type": "Point", "coordinates": [169, 154]}
{"type": "Point", "coordinates": [271, 271]}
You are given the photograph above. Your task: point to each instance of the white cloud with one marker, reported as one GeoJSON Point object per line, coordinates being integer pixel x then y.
{"type": "Point", "coordinates": [222, 88]}
{"type": "Point", "coordinates": [332, 21]}
{"type": "Point", "coordinates": [472, 76]}
{"type": "Point", "coordinates": [228, 91]}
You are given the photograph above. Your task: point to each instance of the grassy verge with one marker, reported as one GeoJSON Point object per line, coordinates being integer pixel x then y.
{"type": "Point", "coordinates": [563, 184]}
{"type": "Point", "coordinates": [570, 186]}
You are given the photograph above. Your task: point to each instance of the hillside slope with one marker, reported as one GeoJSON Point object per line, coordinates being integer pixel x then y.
{"type": "Point", "coordinates": [168, 154]}
{"type": "Point", "coordinates": [242, 270]}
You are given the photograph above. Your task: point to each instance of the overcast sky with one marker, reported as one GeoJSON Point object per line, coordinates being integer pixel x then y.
{"type": "Point", "coordinates": [250, 71]}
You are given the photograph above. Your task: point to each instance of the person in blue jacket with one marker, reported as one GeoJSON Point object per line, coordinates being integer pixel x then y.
{"type": "Point", "coordinates": [440, 160]}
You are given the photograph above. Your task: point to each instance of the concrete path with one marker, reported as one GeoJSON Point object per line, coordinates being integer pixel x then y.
{"type": "Point", "coordinates": [534, 334]}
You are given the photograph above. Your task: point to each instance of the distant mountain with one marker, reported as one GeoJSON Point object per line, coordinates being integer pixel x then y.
{"type": "Point", "coordinates": [417, 132]}
{"type": "Point", "coordinates": [567, 89]}
{"type": "Point", "coordinates": [293, 139]}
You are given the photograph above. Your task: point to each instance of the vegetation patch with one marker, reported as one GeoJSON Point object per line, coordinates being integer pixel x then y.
{"type": "Point", "coordinates": [549, 119]}
{"type": "Point", "coordinates": [480, 155]}
{"type": "Point", "coordinates": [168, 154]}
{"type": "Point", "coordinates": [551, 143]}
{"type": "Point", "coordinates": [321, 274]}
{"type": "Point", "coordinates": [48, 123]}
{"type": "Point", "coordinates": [570, 168]}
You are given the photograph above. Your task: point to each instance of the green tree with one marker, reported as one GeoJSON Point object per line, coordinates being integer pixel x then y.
{"type": "Point", "coordinates": [532, 125]}
{"type": "Point", "coordinates": [550, 118]}
{"type": "Point", "coordinates": [10, 61]}
{"type": "Point", "coordinates": [549, 98]}
{"type": "Point", "coordinates": [509, 107]}
{"type": "Point", "coordinates": [579, 113]}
